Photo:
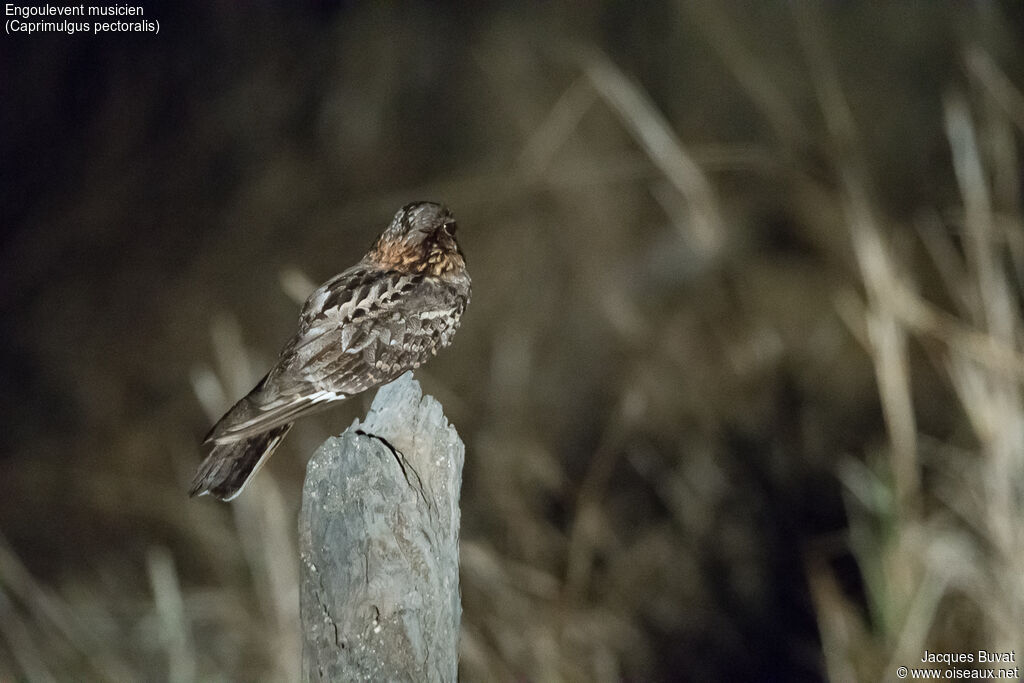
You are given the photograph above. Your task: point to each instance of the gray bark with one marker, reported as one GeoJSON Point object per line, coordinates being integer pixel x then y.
{"type": "Point", "coordinates": [379, 537]}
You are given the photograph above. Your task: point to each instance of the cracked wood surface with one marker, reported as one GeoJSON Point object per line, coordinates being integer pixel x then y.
{"type": "Point", "coordinates": [379, 539]}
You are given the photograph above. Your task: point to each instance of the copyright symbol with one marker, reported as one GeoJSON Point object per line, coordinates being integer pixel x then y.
{"type": "Point", "coordinates": [901, 672]}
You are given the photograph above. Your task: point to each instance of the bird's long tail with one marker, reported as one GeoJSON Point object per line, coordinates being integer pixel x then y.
{"type": "Point", "coordinates": [230, 466]}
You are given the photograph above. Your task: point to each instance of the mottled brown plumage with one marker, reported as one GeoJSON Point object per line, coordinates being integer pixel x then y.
{"type": "Point", "coordinates": [387, 314]}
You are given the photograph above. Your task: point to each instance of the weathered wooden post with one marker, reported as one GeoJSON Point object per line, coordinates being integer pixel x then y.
{"type": "Point", "coordinates": [379, 540]}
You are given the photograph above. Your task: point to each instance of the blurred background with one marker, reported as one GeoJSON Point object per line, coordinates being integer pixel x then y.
{"type": "Point", "coordinates": [740, 383]}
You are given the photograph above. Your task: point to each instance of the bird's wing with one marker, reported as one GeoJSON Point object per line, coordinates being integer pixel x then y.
{"type": "Point", "coordinates": [356, 332]}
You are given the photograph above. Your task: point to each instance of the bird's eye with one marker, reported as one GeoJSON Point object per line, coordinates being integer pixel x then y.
{"type": "Point", "coordinates": [450, 227]}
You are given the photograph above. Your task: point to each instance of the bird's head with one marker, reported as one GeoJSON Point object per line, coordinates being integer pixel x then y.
{"type": "Point", "coordinates": [420, 239]}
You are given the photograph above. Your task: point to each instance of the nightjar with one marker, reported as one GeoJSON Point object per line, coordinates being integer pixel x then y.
{"type": "Point", "coordinates": [388, 313]}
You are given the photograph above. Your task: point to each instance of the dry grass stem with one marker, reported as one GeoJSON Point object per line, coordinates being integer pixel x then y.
{"type": "Point", "coordinates": [655, 135]}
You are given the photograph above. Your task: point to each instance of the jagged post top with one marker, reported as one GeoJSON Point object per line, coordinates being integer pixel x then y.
{"type": "Point", "coordinates": [378, 533]}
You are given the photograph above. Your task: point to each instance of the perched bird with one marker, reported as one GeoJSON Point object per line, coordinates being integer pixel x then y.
{"type": "Point", "coordinates": [386, 314]}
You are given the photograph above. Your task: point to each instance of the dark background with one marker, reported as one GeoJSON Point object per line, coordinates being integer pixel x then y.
{"type": "Point", "coordinates": [688, 390]}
